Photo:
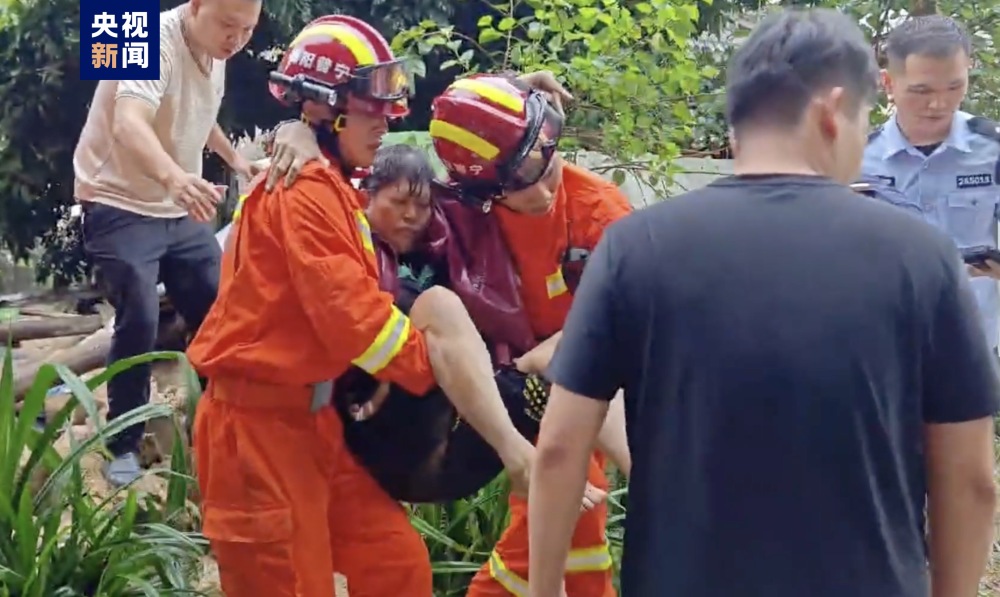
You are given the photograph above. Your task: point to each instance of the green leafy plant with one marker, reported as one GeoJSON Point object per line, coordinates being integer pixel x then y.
{"type": "Point", "coordinates": [57, 540]}
{"type": "Point", "coordinates": [627, 63]}
{"type": "Point", "coordinates": [461, 535]}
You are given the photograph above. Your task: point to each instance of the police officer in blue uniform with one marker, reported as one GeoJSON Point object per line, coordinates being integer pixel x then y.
{"type": "Point", "coordinates": [944, 161]}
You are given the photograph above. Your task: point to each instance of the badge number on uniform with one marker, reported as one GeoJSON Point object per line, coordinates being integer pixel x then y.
{"type": "Point", "coordinates": [972, 181]}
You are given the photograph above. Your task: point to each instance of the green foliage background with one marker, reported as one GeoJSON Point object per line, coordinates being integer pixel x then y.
{"type": "Point", "coordinates": [647, 76]}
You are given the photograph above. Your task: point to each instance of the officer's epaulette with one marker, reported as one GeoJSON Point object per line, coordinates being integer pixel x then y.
{"type": "Point", "coordinates": [985, 127]}
{"type": "Point", "coordinates": [874, 134]}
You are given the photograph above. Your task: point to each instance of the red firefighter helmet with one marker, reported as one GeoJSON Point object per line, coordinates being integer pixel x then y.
{"type": "Point", "coordinates": [337, 54]}
{"type": "Point", "coordinates": [488, 132]}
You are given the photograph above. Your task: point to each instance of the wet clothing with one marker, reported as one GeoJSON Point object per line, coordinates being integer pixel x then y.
{"type": "Point", "coordinates": [549, 253]}
{"type": "Point", "coordinates": [286, 507]}
{"type": "Point", "coordinates": [782, 343]}
{"type": "Point", "coordinates": [416, 447]}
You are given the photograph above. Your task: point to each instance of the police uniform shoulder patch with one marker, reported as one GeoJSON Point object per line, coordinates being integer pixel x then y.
{"type": "Point", "coordinates": [985, 127]}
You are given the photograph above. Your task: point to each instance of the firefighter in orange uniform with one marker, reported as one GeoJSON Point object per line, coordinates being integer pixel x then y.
{"type": "Point", "coordinates": [498, 141]}
{"type": "Point", "coordinates": [287, 509]}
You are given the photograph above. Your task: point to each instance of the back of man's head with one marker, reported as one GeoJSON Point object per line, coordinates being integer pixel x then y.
{"type": "Point", "coordinates": [791, 57]}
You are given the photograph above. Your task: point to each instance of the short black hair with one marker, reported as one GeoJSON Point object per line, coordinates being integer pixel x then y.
{"type": "Point", "coordinates": [936, 36]}
{"type": "Point", "coordinates": [792, 55]}
{"type": "Point", "coordinates": [400, 163]}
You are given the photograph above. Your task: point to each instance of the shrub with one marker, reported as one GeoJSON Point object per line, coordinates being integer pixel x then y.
{"type": "Point", "coordinates": [57, 540]}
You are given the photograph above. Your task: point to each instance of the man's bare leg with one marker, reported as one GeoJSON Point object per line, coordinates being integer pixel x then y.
{"type": "Point", "coordinates": [463, 369]}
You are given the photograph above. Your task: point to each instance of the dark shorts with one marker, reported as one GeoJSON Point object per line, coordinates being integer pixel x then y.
{"type": "Point", "coordinates": [418, 449]}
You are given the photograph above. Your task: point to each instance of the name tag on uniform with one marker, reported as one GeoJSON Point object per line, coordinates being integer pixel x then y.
{"type": "Point", "coordinates": [972, 181]}
{"type": "Point", "coordinates": [889, 180]}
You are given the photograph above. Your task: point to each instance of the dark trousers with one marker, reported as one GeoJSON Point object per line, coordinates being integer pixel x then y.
{"type": "Point", "coordinates": [417, 449]}
{"type": "Point", "coordinates": [132, 253]}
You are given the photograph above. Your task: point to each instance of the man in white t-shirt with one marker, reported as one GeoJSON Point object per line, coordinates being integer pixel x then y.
{"type": "Point", "coordinates": [148, 212]}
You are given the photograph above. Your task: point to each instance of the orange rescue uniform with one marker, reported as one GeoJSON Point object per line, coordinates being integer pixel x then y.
{"type": "Point", "coordinates": [585, 204]}
{"type": "Point", "coordinates": [288, 510]}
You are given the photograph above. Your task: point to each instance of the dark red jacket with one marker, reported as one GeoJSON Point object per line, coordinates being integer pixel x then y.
{"type": "Point", "coordinates": [469, 244]}
{"type": "Point", "coordinates": [479, 269]}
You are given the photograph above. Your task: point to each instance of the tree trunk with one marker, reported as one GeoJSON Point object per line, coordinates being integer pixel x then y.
{"type": "Point", "coordinates": [920, 8]}
{"type": "Point", "coordinates": [92, 353]}
{"type": "Point", "coordinates": [55, 327]}
{"type": "Point", "coordinates": [89, 354]}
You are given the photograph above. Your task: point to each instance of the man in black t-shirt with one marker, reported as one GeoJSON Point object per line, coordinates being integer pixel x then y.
{"type": "Point", "coordinates": [803, 366]}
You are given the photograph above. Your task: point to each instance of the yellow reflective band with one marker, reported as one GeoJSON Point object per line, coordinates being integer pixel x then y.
{"type": "Point", "coordinates": [463, 138]}
{"type": "Point", "coordinates": [514, 584]}
{"type": "Point", "coordinates": [239, 208]}
{"type": "Point", "coordinates": [358, 46]}
{"type": "Point", "coordinates": [365, 229]}
{"type": "Point", "coordinates": [587, 559]}
{"type": "Point", "coordinates": [387, 344]}
{"type": "Point", "coordinates": [555, 285]}
{"type": "Point", "coordinates": [514, 103]}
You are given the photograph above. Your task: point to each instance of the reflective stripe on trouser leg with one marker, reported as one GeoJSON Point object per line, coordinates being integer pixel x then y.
{"type": "Point", "coordinates": [588, 559]}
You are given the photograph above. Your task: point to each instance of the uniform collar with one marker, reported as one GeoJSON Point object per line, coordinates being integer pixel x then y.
{"type": "Point", "coordinates": [895, 142]}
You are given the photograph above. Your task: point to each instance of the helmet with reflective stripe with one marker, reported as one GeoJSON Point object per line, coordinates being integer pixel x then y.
{"type": "Point", "coordinates": [487, 131]}
{"type": "Point", "coordinates": [336, 55]}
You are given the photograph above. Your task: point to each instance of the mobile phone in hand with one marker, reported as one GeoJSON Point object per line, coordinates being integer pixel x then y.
{"type": "Point", "coordinates": [978, 256]}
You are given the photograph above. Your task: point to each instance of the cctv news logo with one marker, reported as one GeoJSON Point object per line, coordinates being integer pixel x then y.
{"type": "Point", "coordinates": [119, 40]}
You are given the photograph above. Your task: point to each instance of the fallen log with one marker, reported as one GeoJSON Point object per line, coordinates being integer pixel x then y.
{"type": "Point", "coordinates": [92, 353]}
{"type": "Point", "coordinates": [35, 329]}
{"type": "Point", "coordinates": [42, 312]}
{"type": "Point", "coordinates": [87, 355]}
{"type": "Point", "coordinates": [39, 350]}
{"type": "Point", "coordinates": [21, 299]}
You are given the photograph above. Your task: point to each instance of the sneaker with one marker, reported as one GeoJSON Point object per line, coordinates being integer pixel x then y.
{"type": "Point", "coordinates": [123, 470]}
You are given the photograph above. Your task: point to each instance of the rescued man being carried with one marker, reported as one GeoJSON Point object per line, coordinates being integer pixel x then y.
{"type": "Point", "coordinates": [415, 446]}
